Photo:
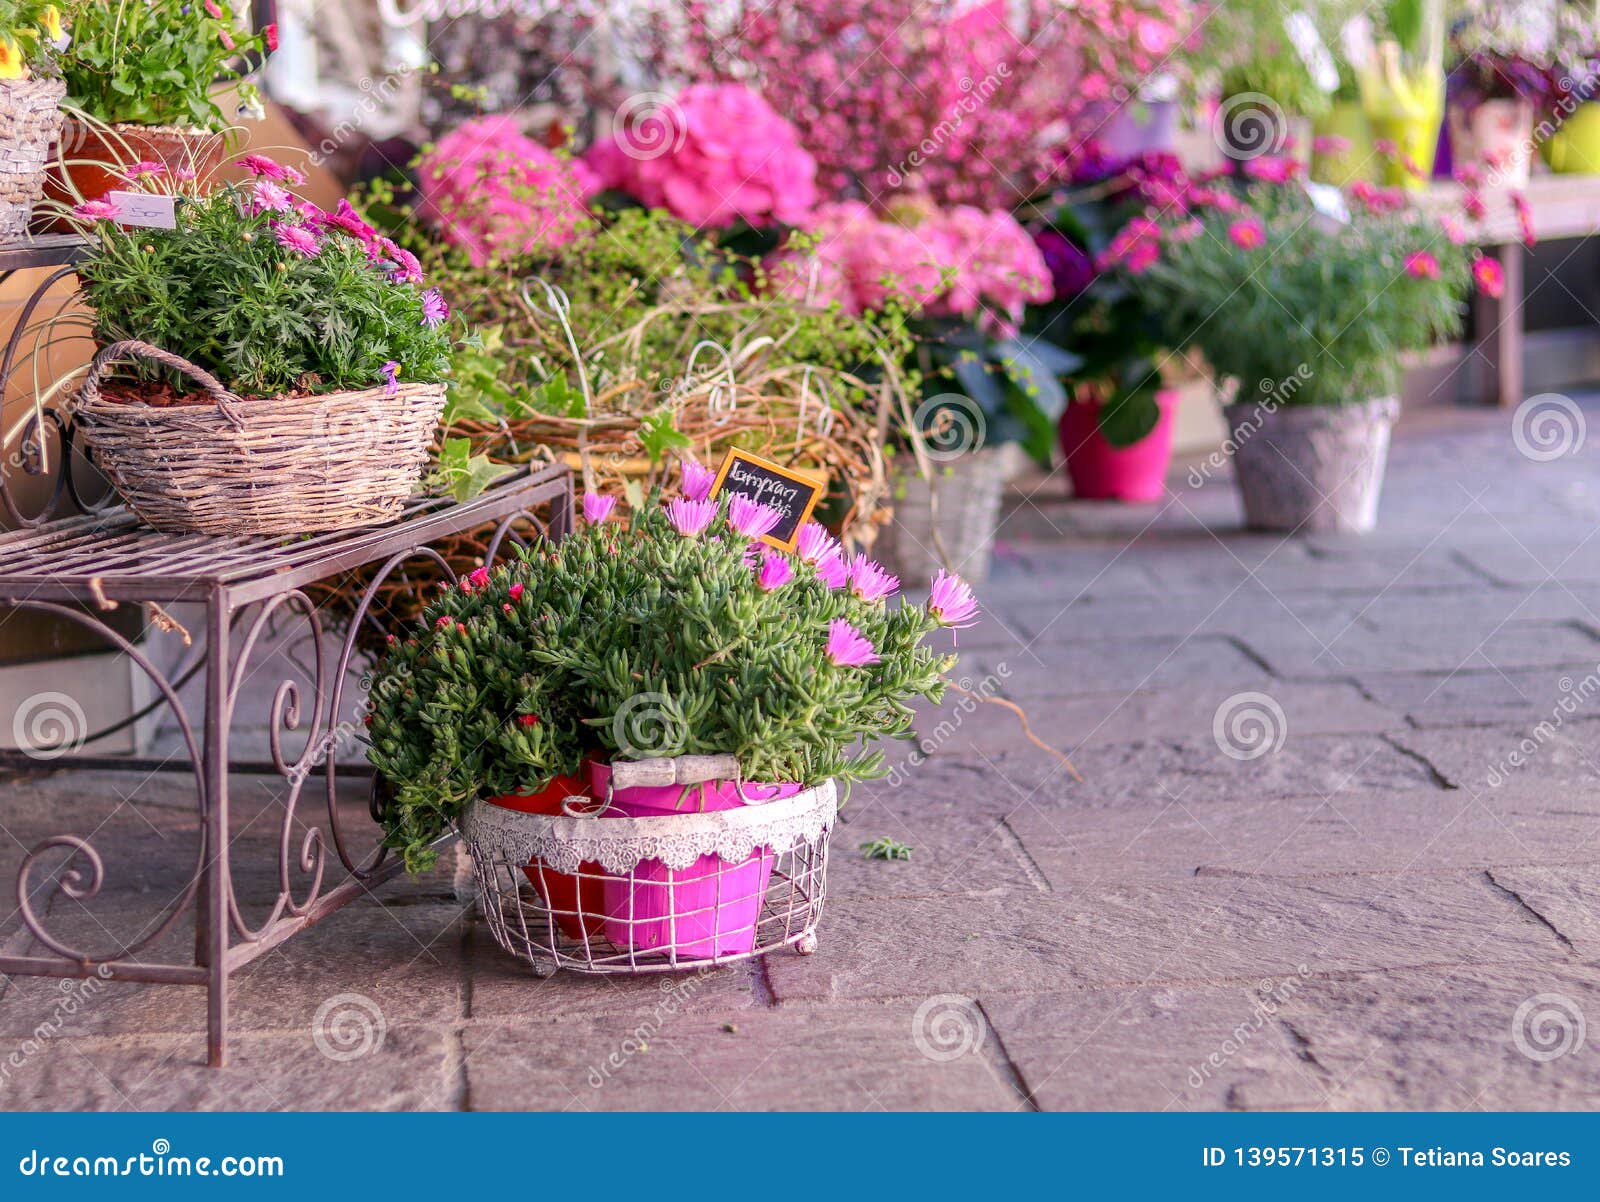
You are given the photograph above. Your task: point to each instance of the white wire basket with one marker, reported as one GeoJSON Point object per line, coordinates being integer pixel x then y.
{"type": "Point", "coordinates": [595, 892]}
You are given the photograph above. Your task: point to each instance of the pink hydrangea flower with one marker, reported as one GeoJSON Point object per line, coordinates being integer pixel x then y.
{"type": "Point", "coordinates": [597, 508]}
{"type": "Point", "coordinates": [848, 647]}
{"type": "Point", "coordinates": [493, 190]}
{"type": "Point", "coordinates": [775, 571]}
{"type": "Point", "coordinates": [751, 518]}
{"type": "Point", "coordinates": [1421, 265]}
{"type": "Point", "coordinates": [688, 517]}
{"type": "Point", "coordinates": [869, 581]}
{"type": "Point", "coordinates": [296, 238]}
{"type": "Point", "coordinates": [951, 603]}
{"type": "Point", "coordinates": [695, 481]}
{"type": "Point", "coordinates": [713, 155]}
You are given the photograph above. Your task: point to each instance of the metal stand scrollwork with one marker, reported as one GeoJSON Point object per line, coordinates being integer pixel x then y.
{"type": "Point", "coordinates": [75, 567]}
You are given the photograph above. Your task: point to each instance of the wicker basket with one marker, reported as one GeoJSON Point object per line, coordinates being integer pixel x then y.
{"type": "Point", "coordinates": [30, 119]}
{"type": "Point", "coordinates": [275, 465]}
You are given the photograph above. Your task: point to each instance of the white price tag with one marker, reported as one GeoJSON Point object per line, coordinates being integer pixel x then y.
{"type": "Point", "coordinates": [147, 209]}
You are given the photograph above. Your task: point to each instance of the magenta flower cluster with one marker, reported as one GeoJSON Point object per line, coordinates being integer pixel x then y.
{"type": "Point", "coordinates": [713, 155]}
{"type": "Point", "coordinates": [493, 190]}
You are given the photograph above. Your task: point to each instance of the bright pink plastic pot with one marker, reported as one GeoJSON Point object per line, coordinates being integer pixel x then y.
{"type": "Point", "coordinates": [709, 908]}
{"type": "Point", "coordinates": [1102, 472]}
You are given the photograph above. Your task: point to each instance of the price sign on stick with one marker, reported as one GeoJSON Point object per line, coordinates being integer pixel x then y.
{"type": "Point", "coordinates": [793, 492]}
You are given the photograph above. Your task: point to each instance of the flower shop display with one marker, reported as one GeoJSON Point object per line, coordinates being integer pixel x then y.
{"type": "Point", "coordinates": [1397, 54]}
{"type": "Point", "coordinates": [31, 37]}
{"type": "Point", "coordinates": [1502, 56]}
{"type": "Point", "coordinates": [320, 354]}
{"type": "Point", "coordinates": [144, 82]}
{"type": "Point", "coordinates": [710, 688]}
{"type": "Point", "coordinates": [1310, 313]}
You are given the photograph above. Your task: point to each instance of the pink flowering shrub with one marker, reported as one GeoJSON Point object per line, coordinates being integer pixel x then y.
{"type": "Point", "coordinates": [493, 190]}
{"type": "Point", "coordinates": [713, 155]}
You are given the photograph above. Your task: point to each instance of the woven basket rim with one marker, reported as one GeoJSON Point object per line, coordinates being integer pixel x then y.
{"type": "Point", "coordinates": [259, 403]}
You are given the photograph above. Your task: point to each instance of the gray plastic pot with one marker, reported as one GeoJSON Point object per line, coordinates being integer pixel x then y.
{"type": "Point", "coordinates": [1305, 468]}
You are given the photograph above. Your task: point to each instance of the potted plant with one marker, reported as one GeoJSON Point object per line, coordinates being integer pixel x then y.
{"type": "Point", "coordinates": [678, 634]}
{"type": "Point", "coordinates": [1568, 131]}
{"type": "Point", "coordinates": [1309, 313]}
{"type": "Point", "coordinates": [1499, 78]}
{"type": "Point", "coordinates": [319, 353]}
{"type": "Point", "coordinates": [31, 37]}
{"type": "Point", "coordinates": [142, 80]}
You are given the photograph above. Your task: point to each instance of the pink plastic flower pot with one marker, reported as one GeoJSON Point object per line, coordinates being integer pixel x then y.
{"type": "Point", "coordinates": [1102, 472]}
{"type": "Point", "coordinates": [709, 908]}
{"type": "Point", "coordinates": [574, 900]}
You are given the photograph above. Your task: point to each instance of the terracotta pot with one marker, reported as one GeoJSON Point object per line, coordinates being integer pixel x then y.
{"type": "Point", "coordinates": [575, 901]}
{"type": "Point", "coordinates": [1306, 468]}
{"type": "Point", "coordinates": [1497, 135]}
{"type": "Point", "coordinates": [95, 158]}
{"type": "Point", "coordinates": [1102, 472]}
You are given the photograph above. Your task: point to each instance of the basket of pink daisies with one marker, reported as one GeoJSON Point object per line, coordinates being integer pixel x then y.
{"type": "Point", "coordinates": [671, 669]}
{"type": "Point", "coordinates": [266, 367]}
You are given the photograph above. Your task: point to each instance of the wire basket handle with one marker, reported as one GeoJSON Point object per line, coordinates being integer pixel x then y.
{"type": "Point", "coordinates": [133, 348]}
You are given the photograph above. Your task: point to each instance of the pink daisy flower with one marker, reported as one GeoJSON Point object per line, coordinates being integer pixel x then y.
{"type": "Point", "coordinates": [751, 518]}
{"type": "Point", "coordinates": [1422, 265]}
{"type": "Point", "coordinates": [690, 517]}
{"type": "Point", "coordinates": [434, 311]}
{"type": "Point", "coordinates": [775, 572]}
{"type": "Point", "coordinates": [951, 602]}
{"type": "Point", "coordinates": [815, 543]}
{"type": "Point", "coordinates": [1247, 233]}
{"type": "Point", "coordinates": [832, 570]}
{"type": "Point", "coordinates": [296, 238]}
{"type": "Point", "coordinates": [1491, 280]}
{"type": "Point", "coordinates": [344, 217]}
{"type": "Point", "coordinates": [96, 210]}
{"type": "Point", "coordinates": [848, 647]}
{"type": "Point", "coordinates": [146, 167]}
{"type": "Point", "coordinates": [597, 508]}
{"type": "Point", "coordinates": [271, 198]}
{"type": "Point", "coordinates": [695, 481]}
{"type": "Point", "coordinates": [869, 581]}
{"type": "Point", "coordinates": [260, 165]}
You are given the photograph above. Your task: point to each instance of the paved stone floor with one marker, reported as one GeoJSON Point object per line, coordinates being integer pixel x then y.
{"type": "Point", "coordinates": [1337, 845]}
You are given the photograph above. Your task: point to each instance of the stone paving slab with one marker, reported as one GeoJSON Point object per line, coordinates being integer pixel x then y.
{"type": "Point", "coordinates": [1447, 1040]}
{"type": "Point", "coordinates": [855, 1058]}
{"type": "Point", "coordinates": [1568, 898]}
{"type": "Point", "coordinates": [1113, 665]}
{"type": "Point", "coordinates": [1425, 647]}
{"type": "Point", "coordinates": [1202, 931]}
{"type": "Point", "coordinates": [1486, 697]}
{"type": "Point", "coordinates": [1156, 1048]}
{"type": "Point", "coordinates": [1486, 757]}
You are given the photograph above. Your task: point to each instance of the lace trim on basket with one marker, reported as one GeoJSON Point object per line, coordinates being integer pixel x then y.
{"type": "Point", "coordinates": [677, 840]}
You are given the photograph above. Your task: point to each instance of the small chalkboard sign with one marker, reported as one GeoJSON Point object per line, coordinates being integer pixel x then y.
{"type": "Point", "coordinates": [793, 492]}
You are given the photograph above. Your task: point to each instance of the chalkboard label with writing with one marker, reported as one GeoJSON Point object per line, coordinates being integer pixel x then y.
{"type": "Point", "coordinates": [792, 492]}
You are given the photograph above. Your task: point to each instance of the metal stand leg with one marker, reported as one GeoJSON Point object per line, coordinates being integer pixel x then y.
{"type": "Point", "coordinates": [213, 910]}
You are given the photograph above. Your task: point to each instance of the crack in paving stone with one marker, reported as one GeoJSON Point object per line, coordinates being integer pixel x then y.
{"type": "Point", "coordinates": [1030, 866]}
{"type": "Point", "coordinates": [1439, 778]}
{"type": "Point", "coordinates": [1524, 903]}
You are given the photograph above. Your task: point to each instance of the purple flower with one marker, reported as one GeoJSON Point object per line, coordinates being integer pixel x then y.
{"type": "Point", "coordinates": [869, 581]}
{"type": "Point", "coordinates": [775, 571]}
{"type": "Point", "coordinates": [951, 602]}
{"type": "Point", "coordinates": [832, 570]}
{"type": "Point", "coordinates": [296, 238]}
{"type": "Point", "coordinates": [1071, 269]}
{"type": "Point", "coordinates": [391, 382]}
{"type": "Point", "coordinates": [815, 543]}
{"type": "Point", "coordinates": [848, 647]}
{"type": "Point", "coordinates": [597, 508]}
{"type": "Point", "coordinates": [695, 481]}
{"type": "Point", "coordinates": [689, 517]}
{"type": "Point", "coordinates": [751, 518]}
{"type": "Point", "coordinates": [434, 311]}
{"type": "Point", "coordinates": [406, 268]}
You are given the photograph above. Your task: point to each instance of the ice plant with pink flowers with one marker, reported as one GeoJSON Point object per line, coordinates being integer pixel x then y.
{"type": "Point", "coordinates": [265, 290]}
{"type": "Point", "coordinates": [727, 647]}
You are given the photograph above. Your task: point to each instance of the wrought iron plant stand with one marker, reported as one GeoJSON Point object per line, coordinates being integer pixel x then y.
{"type": "Point", "coordinates": [77, 558]}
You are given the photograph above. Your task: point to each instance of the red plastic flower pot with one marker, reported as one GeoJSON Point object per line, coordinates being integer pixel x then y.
{"type": "Point", "coordinates": [1102, 472]}
{"type": "Point", "coordinates": [708, 909]}
{"type": "Point", "coordinates": [575, 901]}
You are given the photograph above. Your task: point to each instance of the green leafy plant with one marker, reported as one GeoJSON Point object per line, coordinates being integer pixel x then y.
{"type": "Point", "coordinates": [31, 34]}
{"type": "Point", "coordinates": [264, 291]}
{"type": "Point", "coordinates": [674, 636]}
{"type": "Point", "coordinates": [156, 62]}
{"type": "Point", "coordinates": [1301, 306]}
{"type": "Point", "coordinates": [886, 848]}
